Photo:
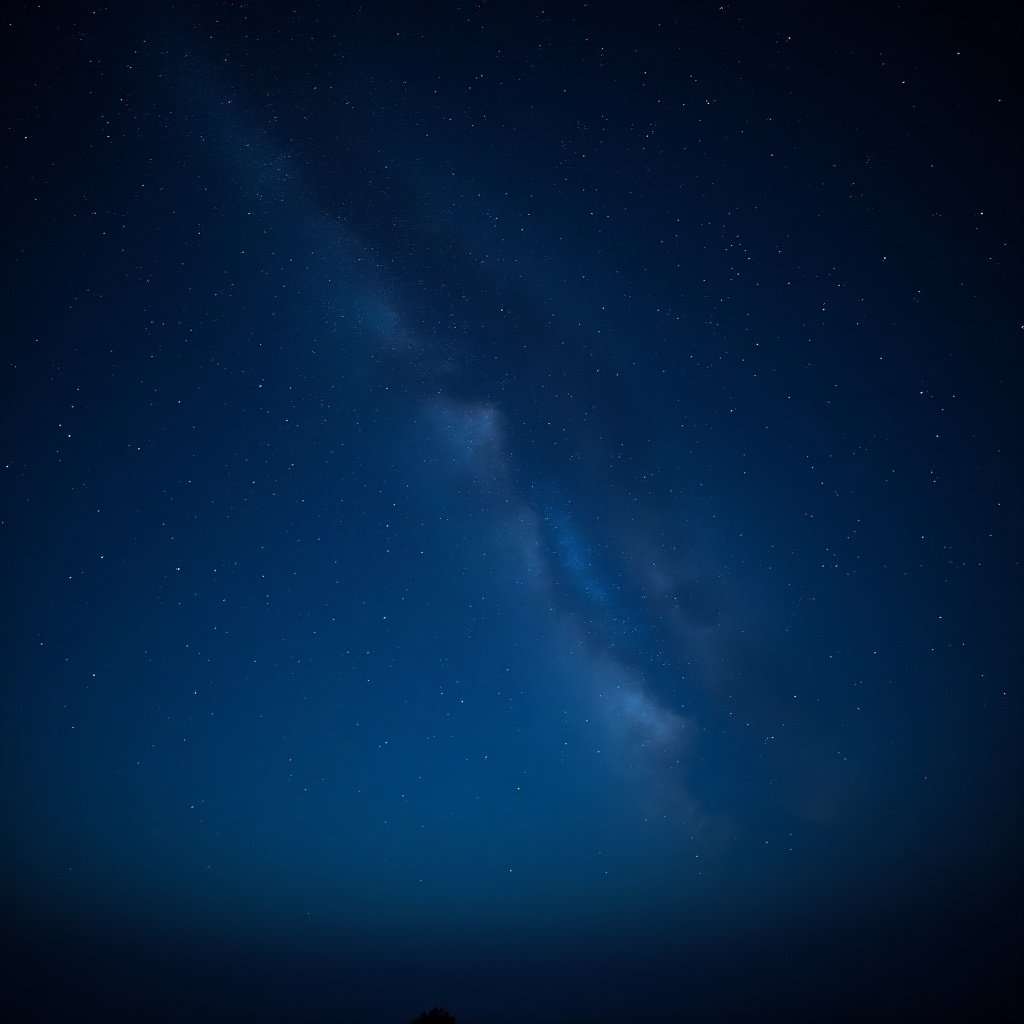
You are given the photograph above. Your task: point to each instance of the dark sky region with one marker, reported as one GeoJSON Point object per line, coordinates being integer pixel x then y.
{"type": "Point", "coordinates": [514, 508]}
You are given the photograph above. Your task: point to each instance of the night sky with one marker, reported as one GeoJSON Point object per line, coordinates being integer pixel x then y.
{"type": "Point", "coordinates": [511, 508]}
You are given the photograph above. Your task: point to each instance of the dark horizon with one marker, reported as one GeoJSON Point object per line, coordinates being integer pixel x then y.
{"type": "Point", "coordinates": [882, 969]}
{"type": "Point", "coordinates": [513, 509]}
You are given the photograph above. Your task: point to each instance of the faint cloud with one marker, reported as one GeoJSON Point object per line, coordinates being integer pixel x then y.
{"type": "Point", "coordinates": [473, 436]}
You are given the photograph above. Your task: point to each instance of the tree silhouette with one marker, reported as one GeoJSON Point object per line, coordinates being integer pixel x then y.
{"type": "Point", "coordinates": [434, 1016]}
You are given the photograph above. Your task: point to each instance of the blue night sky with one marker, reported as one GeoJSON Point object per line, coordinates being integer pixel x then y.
{"type": "Point", "coordinates": [511, 508]}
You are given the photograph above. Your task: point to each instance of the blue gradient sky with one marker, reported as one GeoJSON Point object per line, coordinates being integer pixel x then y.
{"type": "Point", "coordinates": [512, 509]}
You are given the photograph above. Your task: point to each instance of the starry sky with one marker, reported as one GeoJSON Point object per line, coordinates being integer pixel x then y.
{"type": "Point", "coordinates": [511, 507]}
